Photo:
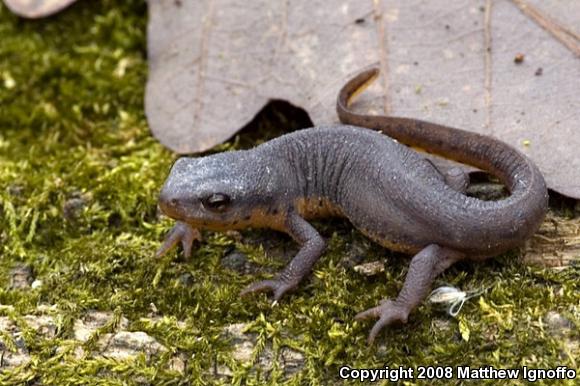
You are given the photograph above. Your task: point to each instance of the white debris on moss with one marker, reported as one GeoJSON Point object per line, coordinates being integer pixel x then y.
{"type": "Point", "coordinates": [370, 269]}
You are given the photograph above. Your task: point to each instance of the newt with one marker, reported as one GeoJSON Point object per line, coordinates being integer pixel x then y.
{"type": "Point", "coordinates": [365, 170]}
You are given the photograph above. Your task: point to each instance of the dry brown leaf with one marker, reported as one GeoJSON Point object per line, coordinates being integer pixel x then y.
{"type": "Point", "coordinates": [34, 9]}
{"type": "Point", "coordinates": [215, 64]}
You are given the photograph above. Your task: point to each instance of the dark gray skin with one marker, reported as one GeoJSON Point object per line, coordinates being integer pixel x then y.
{"type": "Point", "coordinates": [389, 192]}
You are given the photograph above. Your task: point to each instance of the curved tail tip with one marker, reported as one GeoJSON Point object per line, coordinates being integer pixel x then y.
{"type": "Point", "coordinates": [355, 86]}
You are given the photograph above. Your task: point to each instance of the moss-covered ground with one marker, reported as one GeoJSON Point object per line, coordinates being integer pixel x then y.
{"type": "Point", "coordinates": [79, 176]}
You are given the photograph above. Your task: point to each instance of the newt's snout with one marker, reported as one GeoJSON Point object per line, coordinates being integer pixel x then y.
{"type": "Point", "coordinates": [169, 202]}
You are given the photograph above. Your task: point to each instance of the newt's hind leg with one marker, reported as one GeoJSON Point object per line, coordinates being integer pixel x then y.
{"type": "Point", "coordinates": [425, 267]}
{"type": "Point", "coordinates": [457, 179]}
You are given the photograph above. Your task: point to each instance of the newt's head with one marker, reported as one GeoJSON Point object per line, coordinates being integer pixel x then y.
{"type": "Point", "coordinates": [215, 192]}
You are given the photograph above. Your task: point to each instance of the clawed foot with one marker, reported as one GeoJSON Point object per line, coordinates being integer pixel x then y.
{"type": "Point", "coordinates": [388, 313]}
{"type": "Point", "coordinates": [276, 286]}
{"type": "Point", "coordinates": [181, 232]}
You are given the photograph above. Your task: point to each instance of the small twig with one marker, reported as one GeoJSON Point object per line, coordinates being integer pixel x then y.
{"type": "Point", "coordinates": [567, 37]}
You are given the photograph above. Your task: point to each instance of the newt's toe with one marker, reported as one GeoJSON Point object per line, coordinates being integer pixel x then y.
{"type": "Point", "coordinates": [278, 287]}
{"type": "Point", "coordinates": [388, 312]}
{"type": "Point", "coordinates": [183, 233]}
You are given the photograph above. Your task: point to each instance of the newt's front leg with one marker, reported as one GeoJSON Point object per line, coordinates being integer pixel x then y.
{"type": "Point", "coordinates": [181, 232]}
{"type": "Point", "coordinates": [300, 266]}
{"type": "Point", "coordinates": [424, 268]}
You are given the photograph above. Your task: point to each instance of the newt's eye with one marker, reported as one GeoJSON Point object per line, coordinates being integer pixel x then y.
{"type": "Point", "coordinates": [217, 202]}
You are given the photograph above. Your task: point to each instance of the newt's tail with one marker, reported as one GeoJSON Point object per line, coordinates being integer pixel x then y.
{"type": "Point", "coordinates": [529, 198]}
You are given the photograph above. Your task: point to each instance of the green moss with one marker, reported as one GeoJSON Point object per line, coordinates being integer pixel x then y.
{"type": "Point", "coordinates": [79, 175]}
